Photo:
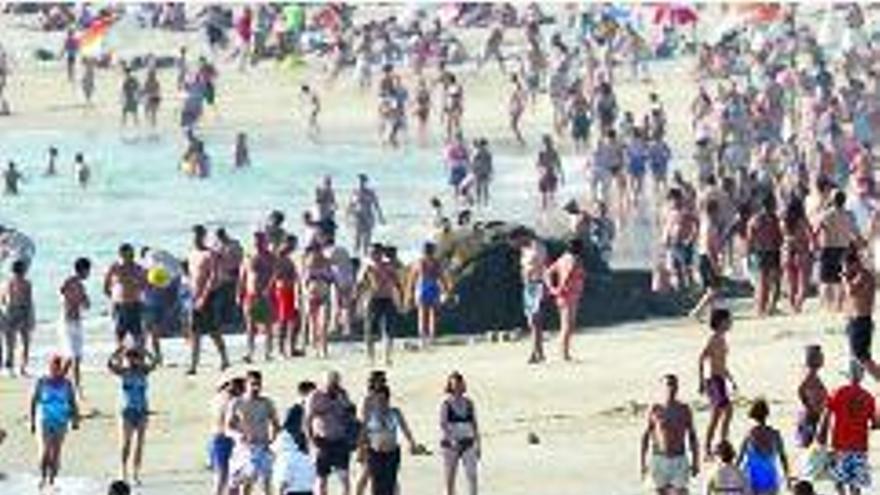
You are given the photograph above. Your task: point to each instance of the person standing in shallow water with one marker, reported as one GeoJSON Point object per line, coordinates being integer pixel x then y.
{"type": "Point", "coordinates": [364, 210]}
{"type": "Point", "coordinates": [12, 178]}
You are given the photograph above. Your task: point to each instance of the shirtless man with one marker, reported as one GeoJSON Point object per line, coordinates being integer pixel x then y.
{"type": "Point", "coordinates": [679, 236]}
{"type": "Point", "coordinates": [533, 262]}
{"type": "Point", "coordinates": [380, 286]}
{"type": "Point", "coordinates": [836, 233]}
{"type": "Point", "coordinates": [669, 426]}
{"type": "Point", "coordinates": [286, 297]}
{"type": "Point", "coordinates": [209, 303]}
{"type": "Point", "coordinates": [254, 294]}
{"type": "Point", "coordinates": [74, 301]}
{"type": "Point", "coordinates": [364, 210]}
{"type": "Point", "coordinates": [860, 287]}
{"type": "Point", "coordinates": [229, 256]}
{"type": "Point", "coordinates": [325, 427]}
{"type": "Point", "coordinates": [253, 423]}
{"type": "Point", "coordinates": [715, 386]}
{"type": "Point", "coordinates": [124, 284]}
{"type": "Point", "coordinates": [18, 307]}
{"type": "Point", "coordinates": [764, 239]}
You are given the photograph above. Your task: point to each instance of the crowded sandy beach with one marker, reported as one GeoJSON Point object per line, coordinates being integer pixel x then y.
{"type": "Point", "coordinates": [438, 248]}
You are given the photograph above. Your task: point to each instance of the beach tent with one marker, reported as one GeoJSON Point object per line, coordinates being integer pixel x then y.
{"type": "Point", "coordinates": [675, 14]}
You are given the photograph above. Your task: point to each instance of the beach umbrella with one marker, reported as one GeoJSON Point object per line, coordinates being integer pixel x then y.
{"type": "Point", "coordinates": [91, 39]}
{"type": "Point", "coordinates": [675, 14]}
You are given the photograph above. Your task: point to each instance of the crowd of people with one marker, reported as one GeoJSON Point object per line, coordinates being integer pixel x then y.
{"type": "Point", "coordinates": [783, 195]}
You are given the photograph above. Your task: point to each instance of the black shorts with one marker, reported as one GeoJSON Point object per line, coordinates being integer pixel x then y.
{"type": "Point", "coordinates": [831, 265]}
{"type": "Point", "coordinates": [768, 260]}
{"type": "Point", "coordinates": [203, 319]}
{"type": "Point", "coordinates": [127, 317]}
{"type": "Point", "coordinates": [382, 317]}
{"type": "Point", "coordinates": [859, 331]}
{"type": "Point", "coordinates": [708, 275]}
{"type": "Point", "coordinates": [332, 455]}
{"type": "Point", "coordinates": [224, 306]}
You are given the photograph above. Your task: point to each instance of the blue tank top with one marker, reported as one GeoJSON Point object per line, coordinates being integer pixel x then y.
{"type": "Point", "coordinates": [760, 469]}
{"type": "Point", "coordinates": [54, 402]}
{"type": "Point", "coordinates": [134, 391]}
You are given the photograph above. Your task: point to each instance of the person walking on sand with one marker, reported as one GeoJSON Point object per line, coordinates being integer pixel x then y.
{"type": "Point", "coordinates": [860, 289]}
{"type": "Point", "coordinates": [221, 444]}
{"type": "Point", "coordinates": [835, 232]}
{"type": "Point", "coordinates": [285, 298]}
{"type": "Point", "coordinates": [124, 284]}
{"type": "Point", "coordinates": [813, 396]}
{"type": "Point", "coordinates": [764, 238]}
{"type": "Point", "coordinates": [564, 279]}
{"type": "Point", "coordinates": [74, 302]}
{"type": "Point", "coordinates": [516, 107]}
{"type": "Point", "coordinates": [329, 413]}
{"type": "Point", "coordinates": [550, 174]}
{"type": "Point", "coordinates": [212, 298]}
{"type": "Point", "coordinates": [364, 210]}
{"type": "Point", "coordinates": [132, 366]}
{"type": "Point", "coordinates": [254, 295]}
{"type": "Point", "coordinates": [797, 252]}
{"type": "Point", "coordinates": [715, 385]}
{"type": "Point", "coordinates": [317, 286]}
{"type": "Point", "coordinates": [460, 435]}
{"type": "Point", "coordinates": [851, 411]}
{"type": "Point", "coordinates": [381, 287]}
{"type": "Point", "coordinates": [53, 409]}
{"type": "Point", "coordinates": [532, 265]}
{"type": "Point", "coordinates": [428, 287]}
{"type": "Point", "coordinates": [17, 301]}
{"type": "Point", "coordinates": [669, 433]}
{"type": "Point", "coordinates": [253, 423]}
{"type": "Point", "coordinates": [727, 479]}
{"type": "Point", "coordinates": [380, 434]}
{"type": "Point", "coordinates": [710, 245]}
{"type": "Point", "coordinates": [760, 450]}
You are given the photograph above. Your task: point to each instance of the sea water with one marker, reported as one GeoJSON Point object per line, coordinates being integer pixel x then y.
{"type": "Point", "coordinates": [138, 195]}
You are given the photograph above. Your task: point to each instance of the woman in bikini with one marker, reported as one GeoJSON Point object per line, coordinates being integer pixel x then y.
{"type": "Point", "coordinates": [565, 281]}
{"type": "Point", "coordinates": [317, 282]}
{"type": "Point", "coordinates": [422, 109]}
{"type": "Point", "coordinates": [460, 435]}
{"type": "Point", "coordinates": [427, 287]}
{"type": "Point", "coordinates": [797, 249]}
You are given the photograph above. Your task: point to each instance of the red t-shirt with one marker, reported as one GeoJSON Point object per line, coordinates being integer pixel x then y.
{"type": "Point", "coordinates": [853, 409]}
